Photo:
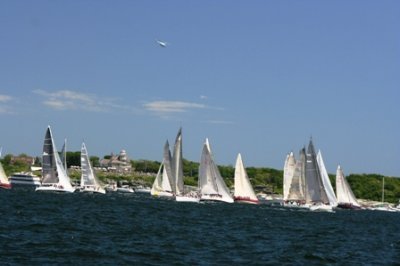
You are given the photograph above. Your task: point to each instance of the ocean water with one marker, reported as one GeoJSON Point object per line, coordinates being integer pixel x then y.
{"type": "Point", "coordinates": [135, 229]}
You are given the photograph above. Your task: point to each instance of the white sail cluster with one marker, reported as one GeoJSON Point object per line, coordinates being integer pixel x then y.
{"type": "Point", "coordinates": [306, 183]}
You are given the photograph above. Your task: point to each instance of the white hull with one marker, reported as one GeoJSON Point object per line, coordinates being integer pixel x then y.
{"type": "Point", "coordinates": [55, 188]}
{"type": "Point", "coordinates": [207, 197]}
{"type": "Point", "coordinates": [93, 190]}
{"type": "Point", "coordinates": [296, 205]}
{"type": "Point", "coordinates": [125, 190]}
{"type": "Point", "coordinates": [187, 199]}
{"type": "Point", "coordinates": [321, 207]}
{"type": "Point", "coordinates": [143, 190]}
{"type": "Point", "coordinates": [162, 194]}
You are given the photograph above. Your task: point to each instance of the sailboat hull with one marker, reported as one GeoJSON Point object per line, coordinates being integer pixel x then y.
{"type": "Point", "coordinates": [97, 190]}
{"type": "Point", "coordinates": [216, 197]}
{"type": "Point", "coordinates": [246, 200]}
{"type": "Point", "coordinates": [348, 206]}
{"type": "Point", "coordinates": [5, 186]}
{"type": "Point", "coordinates": [187, 199]}
{"type": "Point", "coordinates": [55, 188]}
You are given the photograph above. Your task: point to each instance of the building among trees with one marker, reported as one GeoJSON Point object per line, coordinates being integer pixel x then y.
{"type": "Point", "coordinates": [117, 163]}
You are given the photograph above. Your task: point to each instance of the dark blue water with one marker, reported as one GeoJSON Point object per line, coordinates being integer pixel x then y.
{"type": "Point", "coordinates": [115, 229]}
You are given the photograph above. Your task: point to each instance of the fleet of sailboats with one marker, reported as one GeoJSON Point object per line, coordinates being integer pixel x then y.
{"type": "Point", "coordinates": [306, 182]}
{"type": "Point", "coordinates": [54, 175]}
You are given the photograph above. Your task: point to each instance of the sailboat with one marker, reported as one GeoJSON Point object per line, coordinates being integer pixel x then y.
{"type": "Point", "coordinates": [163, 185]}
{"type": "Point", "coordinates": [54, 176]}
{"type": "Point", "coordinates": [180, 194]}
{"type": "Point", "coordinates": [344, 194]}
{"type": "Point", "coordinates": [244, 192]}
{"type": "Point", "coordinates": [316, 195]}
{"type": "Point", "coordinates": [383, 206]}
{"type": "Point", "coordinates": [89, 181]}
{"type": "Point", "coordinates": [294, 183]}
{"type": "Point", "coordinates": [211, 185]}
{"type": "Point", "coordinates": [4, 182]}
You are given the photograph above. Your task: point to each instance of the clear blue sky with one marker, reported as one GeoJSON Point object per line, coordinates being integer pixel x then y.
{"type": "Point", "coordinates": [256, 77]}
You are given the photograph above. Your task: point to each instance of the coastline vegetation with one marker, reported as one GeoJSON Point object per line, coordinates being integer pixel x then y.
{"type": "Point", "coordinates": [265, 180]}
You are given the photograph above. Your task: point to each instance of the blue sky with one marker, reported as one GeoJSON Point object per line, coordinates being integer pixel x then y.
{"type": "Point", "coordinates": [256, 77]}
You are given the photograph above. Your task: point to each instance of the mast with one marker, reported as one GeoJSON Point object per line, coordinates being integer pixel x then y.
{"type": "Point", "coordinates": [383, 189]}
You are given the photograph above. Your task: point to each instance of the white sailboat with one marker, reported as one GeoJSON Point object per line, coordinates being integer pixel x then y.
{"type": "Point", "coordinates": [89, 181]}
{"type": "Point", "coordinates": [244, 191]}
{"type": "Point", "coordinates": [326, 181]}
{"type": "Point", "coordinates": [54, 176]}
{"type": "Point", "coordinates": [211, 184]}
{"type": "Point", "coordinates": [316, 195]}
{"type": "Point", "coordinates": [163, 185]}
{"type": "Point", "coordinates": [4, 181]}
{"type": "Point", "coordinates": [384, 206]}
{"type": "Point", "coordinates": [294, 183]}
{"type": "Point", "coordinates": [344, 194]}
{"type": "Point", "coordinates": [180, 194]}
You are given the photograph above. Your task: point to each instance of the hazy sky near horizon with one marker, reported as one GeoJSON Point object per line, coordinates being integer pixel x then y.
{"type": "Point", "coordinates": [256, 77]}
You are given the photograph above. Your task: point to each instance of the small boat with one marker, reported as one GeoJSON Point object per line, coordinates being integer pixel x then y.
{"type": "Point", "coordinates": [125, 189]}
{"type": "Point", "coordinates": [25, 180]}
{"type": "Point", "coordinates": [163, 184]}
{"type": "Point", "coordinates": [344, 194]}
{"type": "Point", "coordinates": [182, 194]}
{"type": "Point", "coordinates": [244, 192]}
{"type": "Point", "coordinates": [142, 189]}
{"type": "Point", "coordinates": [89, 181]}
{"type": "Point", "coordinates": [211, 184]}
{"type": "Point", "coordinates": [54, 175]}
{"type": "Point", "coordinates": [383, 206]}
{"type": "Point", "coordinates": [192, 196]}
{"type": "Point", "coordinates": [4, 182]}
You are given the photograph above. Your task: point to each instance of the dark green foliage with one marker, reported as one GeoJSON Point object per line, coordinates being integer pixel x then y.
{"type": "Point", "coordinates": [146, 166]}
{"type": "Point", "coordinates": [73, 158]}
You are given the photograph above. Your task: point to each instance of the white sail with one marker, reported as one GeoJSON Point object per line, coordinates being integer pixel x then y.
{"type": "Point", "coordinates": [3, 177]}
{"type": "Point", "coordinates": [297, 187]}
{"type": "Point", "coordinates": [89, 181]}
{"type": "Point", "coordinates": [343, 191]}
{"type": "Point", "coordinates": [288, 172]}
{"type": "Point", "coordinates": [326, 181]}
{"type": "Point", "coordinates": [163, 185]}
{"type": "Point", "coordinates": [54, 176]}
{"type": "Point", "coordinates": [315, 191]}
{"type": "Point", "coordinates": [211, 183]}
{"type": "Point", "coordinates": [243, 188]}
{"type": "Point", "coordinates": [178, 164]}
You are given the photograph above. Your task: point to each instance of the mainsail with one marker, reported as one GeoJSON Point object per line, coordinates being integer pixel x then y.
{"type": "Point", "coordinates": [326, 181]}
{"type": "Point", "coordinates": [297, 186]}
{"type": "Point", "coordinates": [343, 190]}
{"type": "Point", "coordinates": [177, 165]}
{"type": "Point", "coordinates": [88, 177]}
{"type": "Point", "coordinates": [243, 188]}
{"type": "Point", "coordinates": [315, 192]}
{"type": "Point", "coordinates": [54, 176]}
{"type": "Point", "coordinates": [163, 185]}
{"type": "Point", "coordinates": [288, 172]}
{"type": "Point", "coordinates": [211, 183]}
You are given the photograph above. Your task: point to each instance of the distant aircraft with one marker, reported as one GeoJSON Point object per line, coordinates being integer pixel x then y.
{"type": "Point", "coordinates": [162, 44]}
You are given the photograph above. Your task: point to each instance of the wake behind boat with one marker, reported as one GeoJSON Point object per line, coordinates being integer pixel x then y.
{"type": "Point", "coordinates": [54, 176]}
